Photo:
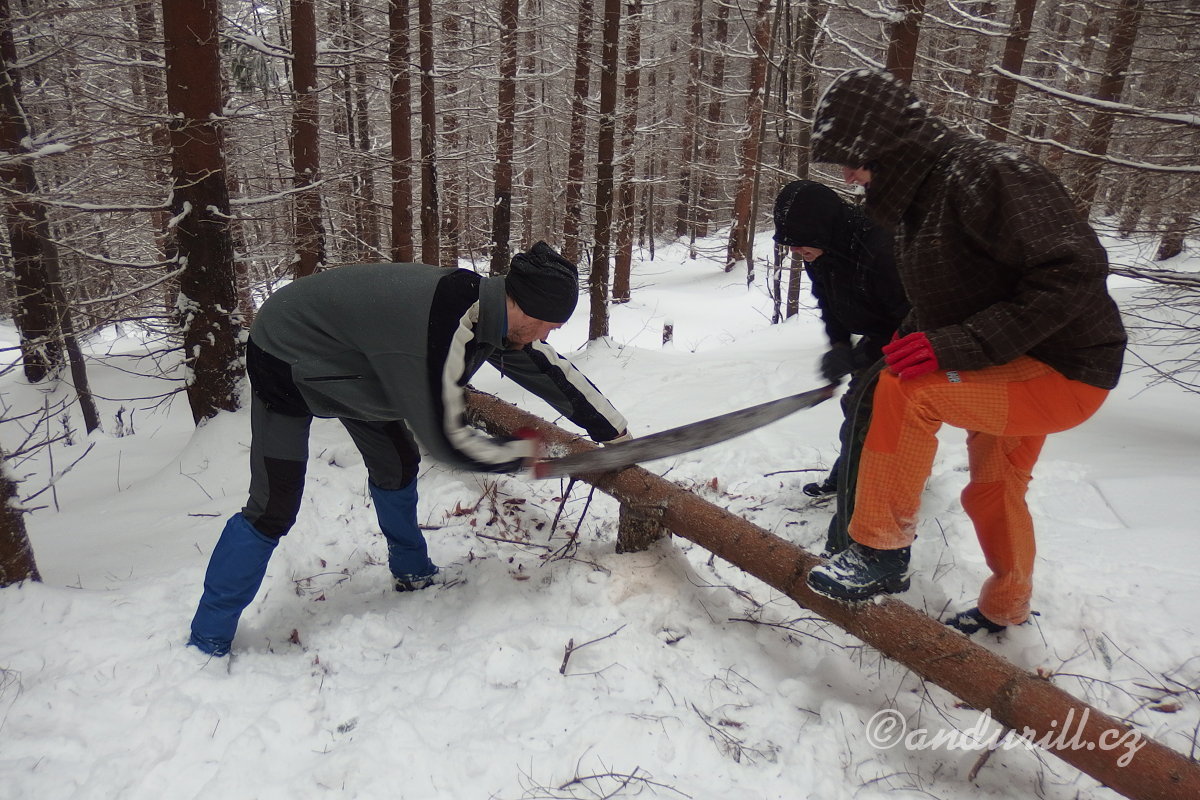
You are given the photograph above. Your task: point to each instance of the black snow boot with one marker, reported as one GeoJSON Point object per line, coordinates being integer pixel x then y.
{"type": "Point", "coordinates": [414, 583]}
{"type": "Point", "coordinates": [973, 621]}
{"type": "Point", "coordinates": [822, 489]}
{"type": "Point", "coordinates": [860, 572]}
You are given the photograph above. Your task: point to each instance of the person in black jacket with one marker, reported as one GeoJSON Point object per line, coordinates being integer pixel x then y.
{"type": "Point", "coordinates": [855, 283]}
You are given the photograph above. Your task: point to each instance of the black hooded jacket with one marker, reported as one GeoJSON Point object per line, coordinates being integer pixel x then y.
{"type": "Point", "coordinates": [854, 281]}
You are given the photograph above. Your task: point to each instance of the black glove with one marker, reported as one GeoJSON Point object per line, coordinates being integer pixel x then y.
{"type": "Point", "coordinates": [838, 362]}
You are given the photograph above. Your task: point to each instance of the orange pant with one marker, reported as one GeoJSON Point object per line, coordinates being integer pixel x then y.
{"type": "Point", "coordinates": [1007, 412]}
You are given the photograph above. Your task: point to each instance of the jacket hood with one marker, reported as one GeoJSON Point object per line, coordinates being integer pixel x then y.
{"type": "Point", "coordinates": [868, 118]}
{"type": "Point", "coordinates": [809, 214]}
{"type": "Point", "coordinates": [864, 116]}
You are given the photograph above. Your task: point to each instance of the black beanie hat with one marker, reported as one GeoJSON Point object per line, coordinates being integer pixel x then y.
{"type": "Point", "coordinates": [543, 284]}
{"type": "Point", "coordinates": [806, 215]}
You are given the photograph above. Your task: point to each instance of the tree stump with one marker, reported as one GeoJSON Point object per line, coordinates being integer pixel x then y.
{"type": "Point", "coordinates": [638, 527]}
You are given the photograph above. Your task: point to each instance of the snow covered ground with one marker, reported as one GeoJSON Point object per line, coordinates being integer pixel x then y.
{"type": "Point", "coordinates": [697, 681]}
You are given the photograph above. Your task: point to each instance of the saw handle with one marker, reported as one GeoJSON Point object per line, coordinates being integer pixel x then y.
{"type": "Point", "coordinates": [535, 461]}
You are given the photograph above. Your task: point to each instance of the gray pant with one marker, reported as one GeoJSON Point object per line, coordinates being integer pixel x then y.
{"type": "Point", "coordinates": [279, 457]}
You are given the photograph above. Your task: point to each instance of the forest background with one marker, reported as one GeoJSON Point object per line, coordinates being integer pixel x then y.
{"type": "Point", "coordinates": [163, 165]}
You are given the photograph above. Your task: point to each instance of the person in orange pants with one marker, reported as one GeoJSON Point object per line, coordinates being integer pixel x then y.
{"type": "Point", "coordinates": [1011, 334]}
{"type": "Point", "coordinates": [1007, 411]}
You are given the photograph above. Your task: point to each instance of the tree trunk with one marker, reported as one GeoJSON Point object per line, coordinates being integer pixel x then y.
{"type": "Point", "coordinates": [400, 104]}
{"type": "Point", "coordinates": [1027, 703]}
{"type": "Point", "coordinates": [902, 40]}
{"type": "Point", "coordinates": [573, 215]}
{"type": "Point", "coordinates": [1112, 83]}
{"type": "Point", "coordinates": [1065, 121]}
{"type": "Point", "coordinates": [528, 206]}
{"type": "Point", "coordinates": [366, 215]}
{"type": "Point", "coordinates": [684, 213]}
{"type": "Point", "coordinates": [306, 154]}
{"type": "Point", "coordinates": [153, 98]}
{"type": "Point", "coordinates": [1179, 228]}
{"type": "Point", "coordinates": [977, 55]}
{"type": "Point", "coordinates": [650, 222]}
{"type": "Point", "coordinates": [200, 206]}
{"type": "Point", "coordinates": [430, 216]}
{"type": "Point", "coordinates": [598, 324]}
{"type": "Point", "coordinates": [795, 278]}
{"type": "Point", "coordinates": [623, 262]}
{"type": "Point", "coordinates": [16, 554]}
{"type": "Point", "coordinates": [739, 232]}
{"type": "Point", "coordinates": [34, 287]}
{"type": "Point", "coordinates": [506, 114]}
{"type": "Point", "coordinates": [1012, 61]}
{"type": "Point", "coordinates": [452, 190]}
{"type": "Point", "coordinates": [807, 75]}
{"type": "Point", "coordinates": [41, 302]}
{"type": "Point", "coordinates": [712, 146]}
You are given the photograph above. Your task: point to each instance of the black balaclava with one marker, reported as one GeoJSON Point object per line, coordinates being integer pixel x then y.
{"type": "Point", "coordinates": [543, 284]}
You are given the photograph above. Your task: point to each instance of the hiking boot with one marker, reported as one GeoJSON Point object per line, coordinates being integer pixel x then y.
{"type": "Point", "coordinates": [973, 621]}
{"type": "Point", "coordinates": [822, 489]}
{"type": "Point", "coordinates": [860, 572]}
{"type": "Point", "coordinates": [414, 583]}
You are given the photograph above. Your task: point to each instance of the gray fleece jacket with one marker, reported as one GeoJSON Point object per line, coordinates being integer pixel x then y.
{"type": "Point", "coordinates": [400, 342]}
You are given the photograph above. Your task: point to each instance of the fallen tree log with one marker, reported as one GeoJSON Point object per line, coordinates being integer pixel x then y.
{"type": "Point", "coordinates": [1029, 704]}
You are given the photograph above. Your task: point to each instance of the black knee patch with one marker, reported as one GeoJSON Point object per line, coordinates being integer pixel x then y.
{"type": "Point", "coordinates": [406, 449]}
{"type": "Point", "coordinates": [285, 488]}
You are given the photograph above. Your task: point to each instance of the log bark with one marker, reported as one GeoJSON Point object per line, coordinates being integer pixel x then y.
{"type": "Point", "coordinates": [1021, 700]}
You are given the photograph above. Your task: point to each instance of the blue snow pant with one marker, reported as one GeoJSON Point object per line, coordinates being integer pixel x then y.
{"type": "Point", "coordinates": [278, 458]}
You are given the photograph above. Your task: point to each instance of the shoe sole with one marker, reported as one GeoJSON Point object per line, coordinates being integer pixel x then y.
{"type": "Point", "coordinates": [969, 626]}
{"type": "Point", "coordinates": [826, 587]}
{"type": "Point", "coordinates": [412, 586]}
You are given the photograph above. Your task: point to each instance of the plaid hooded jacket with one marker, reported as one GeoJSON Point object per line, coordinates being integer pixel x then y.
{"type": "Point", "coordinates": [995, 258]}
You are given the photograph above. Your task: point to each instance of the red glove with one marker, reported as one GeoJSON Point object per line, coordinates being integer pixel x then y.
{"type": "Point", "coordinates": [910, 356]}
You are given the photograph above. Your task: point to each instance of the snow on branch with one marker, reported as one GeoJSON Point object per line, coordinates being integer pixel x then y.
{"type": "Point", "coordinates": [277, 196]}
{"type": "Point", "coordinates": [1187, 120]}
{"type": "Point", "coordinates": [1166, 277]}
{"type": "Point", "coordinates": [980, 25]}
{"type": "Point", "coordinates": [110, 208]}
{"type": "Point", "coordinates": [1177, 169]}
{"type": "Point", "coordinates": [258, 44]}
